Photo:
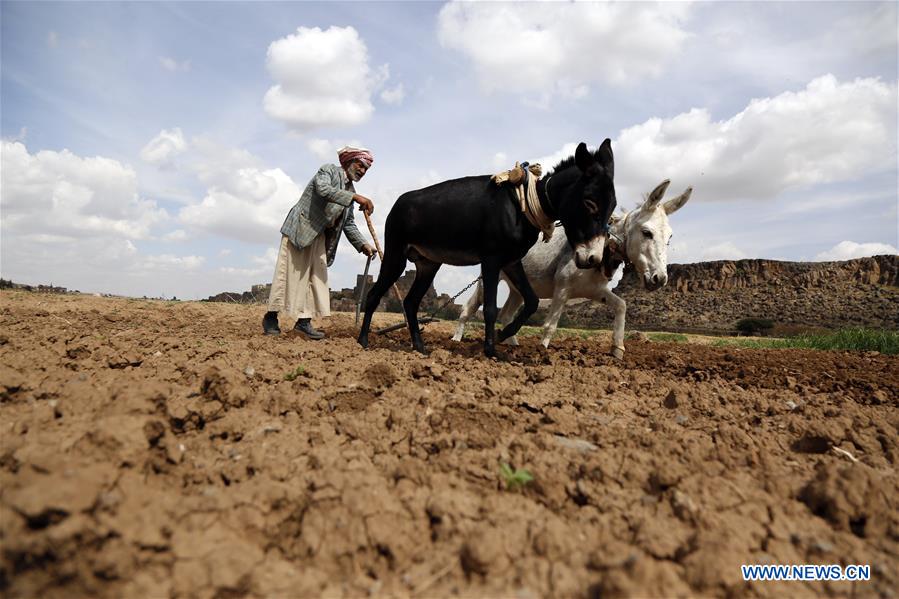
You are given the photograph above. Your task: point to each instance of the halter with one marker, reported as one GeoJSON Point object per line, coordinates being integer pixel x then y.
{"type": "Point", "coordinates": [613, 255]}
{"type": "Point", "coordinates": [620, 241]}
{"type": "Point", "coordinates": [549, 202]}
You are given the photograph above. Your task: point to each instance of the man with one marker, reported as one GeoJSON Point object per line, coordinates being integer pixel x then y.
{"type": "Point", "coordinates": [309, 238]}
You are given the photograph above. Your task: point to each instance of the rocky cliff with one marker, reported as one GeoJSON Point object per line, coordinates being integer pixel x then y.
{"type": "Point", "coordinates": [713, 296]}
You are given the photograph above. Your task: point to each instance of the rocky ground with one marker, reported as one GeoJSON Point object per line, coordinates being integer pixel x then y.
{"type": "Point", "coordinates": [796, 296]}
{"type": "Point", "coordinates": [168, 449]}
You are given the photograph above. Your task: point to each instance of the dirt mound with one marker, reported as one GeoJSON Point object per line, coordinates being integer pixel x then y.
{"type": "Point", "coordinates": [169, 449]}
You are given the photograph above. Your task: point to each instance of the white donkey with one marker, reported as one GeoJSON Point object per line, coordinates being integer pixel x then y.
{"type": "Point", "coordinates": [639, 237]}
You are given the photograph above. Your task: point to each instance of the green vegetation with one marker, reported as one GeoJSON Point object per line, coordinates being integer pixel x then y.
{"type": "Point", "coordinates": [293, 374]}
{"type": "Point", "coordinates": [515, 479]}
{"type": "Point", "coordinates": [668, 337]}
{"type": "Point", "coordinates": [856, 339]}
{"type": "Point", "coordinates": [537, 331]}
{"type": "Point", "coordinates": [885, 342]}
{"type": "Point", "coordinates": [752, 343]}
{"type": "Point", "coordinates": [528, 331]}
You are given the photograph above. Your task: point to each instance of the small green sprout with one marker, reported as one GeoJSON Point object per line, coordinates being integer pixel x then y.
{"type": "Point", "coordinates": [515, 479]}
{"type": "Point", "coordinates": [293, 374]}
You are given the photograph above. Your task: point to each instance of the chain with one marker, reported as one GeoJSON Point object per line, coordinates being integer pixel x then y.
{"type": "Point", "coordinates": [451, 300]}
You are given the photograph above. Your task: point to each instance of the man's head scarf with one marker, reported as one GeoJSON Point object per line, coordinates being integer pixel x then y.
{"type": "Point", "coordinates": [348, 154]}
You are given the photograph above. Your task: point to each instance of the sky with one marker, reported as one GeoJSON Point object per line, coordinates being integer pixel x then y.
{"type": "Point", "coordinates": [154, 148]}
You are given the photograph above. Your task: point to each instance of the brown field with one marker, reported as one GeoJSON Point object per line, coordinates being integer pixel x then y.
{"type": "Point", "coordinates": [168, 449]}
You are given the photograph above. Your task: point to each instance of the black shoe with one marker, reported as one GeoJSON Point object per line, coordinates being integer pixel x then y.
{"type": "Point", "coordinates": [270, 324]}
{"type": "Point", "coordinates": [304, 325]}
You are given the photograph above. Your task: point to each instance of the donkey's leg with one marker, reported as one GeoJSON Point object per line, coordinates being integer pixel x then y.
{"type": "Point", "coordinates": [391, 268]}
{"type": "Point", "coordinates": [490, 277]}
{"type": "Point", "coordinates": [425, 271]}
{"type": "Point", "coordinates": [560, 297]}
{"type": "Point", "coordinates": [619, 306]}
{"type": "Point", "coordinates": [508, 311]}
{"type": "Point", "coordinates": [471, 307]}
{"type": "Point", "coordinates": [517, 277]}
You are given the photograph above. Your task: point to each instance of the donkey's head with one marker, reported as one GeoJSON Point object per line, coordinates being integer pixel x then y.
{"type": "Point", "coordinates": [587, 199]}
{"type": "Point", "coordinates": [647, 234]}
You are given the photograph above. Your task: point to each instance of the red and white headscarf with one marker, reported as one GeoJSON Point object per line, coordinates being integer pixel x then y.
{"type": "Point", "coordinates": [347, 154]}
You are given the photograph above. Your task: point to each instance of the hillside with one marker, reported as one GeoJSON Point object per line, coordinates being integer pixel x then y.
{"type": "Point", "coordinates": [712, 296]}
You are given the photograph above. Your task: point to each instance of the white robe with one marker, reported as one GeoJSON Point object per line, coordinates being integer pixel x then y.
{"type": "Point", "coordinates": [300, 285]}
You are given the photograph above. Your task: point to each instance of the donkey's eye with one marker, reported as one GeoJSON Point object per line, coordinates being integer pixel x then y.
{"type": "Point", "coordinates": [591, 206]}
{"type": "Point", "coordinates": [647, 234]}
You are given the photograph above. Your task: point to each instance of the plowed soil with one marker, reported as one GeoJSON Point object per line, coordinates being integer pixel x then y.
{"type": "Point", "coordinates": [169, 449]}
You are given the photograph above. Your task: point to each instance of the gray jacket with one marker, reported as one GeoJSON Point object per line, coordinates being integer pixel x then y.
{"type": "Point", "coordinates": [325, 206]}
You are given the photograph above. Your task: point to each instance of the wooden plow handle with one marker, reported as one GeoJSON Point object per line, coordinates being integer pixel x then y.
{"type": "Point", "coordinates": [374, 236]}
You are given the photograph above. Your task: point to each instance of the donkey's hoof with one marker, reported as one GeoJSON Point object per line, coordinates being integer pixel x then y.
{"type": "Point", "coordinates": [362, 342]}
{"type": "Point", "coordinates": [617, 353]}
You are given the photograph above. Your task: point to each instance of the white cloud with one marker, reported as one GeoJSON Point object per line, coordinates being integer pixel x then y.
{"type": "Point", "coordinates": [765, 49]}
{"type": "Point", "coordinates": [170, 64]}
{"type": "Point", "coordinates": [722, 251]}
{"type": "Point", "coordinates": [560, 48]}
{"type": "Point", "coordinates": [52, 39]}
{"type": "Point", "coordinates": [262, 267]}
{"type": "Point", "coordinates": [394, 95]}
{"type": "Point", "coordinates": [63, 194]}
{"type": "Point", "coordinates": [171, 262]}
{"type": "Point", "coordinates": [20, 136]}
{"type": "Point", "coordinates": [322, 148]}
{"type": "Point", "coordinates": [323, 78]}
{"type": "Point", "coordinates": [551, 160]}
{"type": "Point", "coordinates": [326, 149]}
{"type": "Point", "coordinates": [216, 164]}
{"type": "Point", "coordinates": [244, 200]}
{"type": "Point", "coordinates": [165, 146]}
{"type": "Point", "coordinates": [683, 252]}
{"type": "Point", "coordinates": [828, 132]}
{"type": "Point", "coordinates": [847, 250]}
{"type": "Point", "coordinates": [176, 235]}
{"type": "Point", "coordinates": [74, 221]}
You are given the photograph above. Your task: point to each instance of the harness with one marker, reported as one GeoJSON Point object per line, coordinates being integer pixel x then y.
{"type": "Point", "coordinates": [531, 206]}
{"type": "Point", "coordinates": [615, 252]}
{"type": "Point", "coordinates": [523, 179]}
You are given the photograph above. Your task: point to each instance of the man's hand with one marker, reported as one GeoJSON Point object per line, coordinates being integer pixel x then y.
{"type": "Point", "coordinates": [365, 205]}
{"type": "Point", "coordinates": [368, 250]}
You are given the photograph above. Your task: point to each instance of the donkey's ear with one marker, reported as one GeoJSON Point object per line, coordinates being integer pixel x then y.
{"type": "Point", "coordinates": [656, 196]}
{"type": "Point", "coordinates": [582, 157]}
{"type": "Point", "coordinates": [674, 205]}
{"type": "Point", "coordinates": [605, 158]}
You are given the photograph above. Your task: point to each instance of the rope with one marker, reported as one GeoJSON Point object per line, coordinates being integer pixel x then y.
{"type": "Point", "coordinates": [523, 178]}
{"type": "Point", "coordinates": [533, 210]}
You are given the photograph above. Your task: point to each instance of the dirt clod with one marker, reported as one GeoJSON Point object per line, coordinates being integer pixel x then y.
{"type": "Point", "coordinates": [850, 497]}
{"type": "Point", "coordinates": [381, 375]}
